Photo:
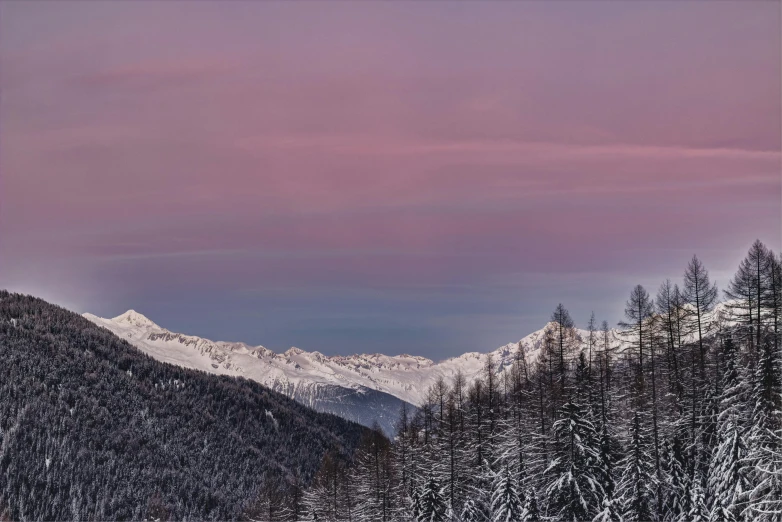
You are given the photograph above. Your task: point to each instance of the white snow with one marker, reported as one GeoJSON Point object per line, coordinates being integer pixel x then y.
{"type": "Point", "coordinates": [404, 376]}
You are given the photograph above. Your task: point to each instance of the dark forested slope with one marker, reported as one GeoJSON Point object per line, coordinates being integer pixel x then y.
{"type": "Point", "coordinates": [91, 428]}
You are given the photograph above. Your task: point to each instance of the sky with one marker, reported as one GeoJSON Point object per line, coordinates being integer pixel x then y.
{"type": "Point", "coordinates": [398, 177]}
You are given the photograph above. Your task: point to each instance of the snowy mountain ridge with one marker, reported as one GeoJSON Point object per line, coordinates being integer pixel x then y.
{"type": "Point", "coordinates": [406, 377]}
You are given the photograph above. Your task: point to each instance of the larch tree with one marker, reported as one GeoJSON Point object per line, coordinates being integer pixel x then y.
{"type": "Point", "coordinates": [701, 295]}
{"type": "Point", "coordinates": [665, 307]}
{"type": "Point", "coordinates": [564, 332]}
{"type": "Point", "coordinates": [637, 331]}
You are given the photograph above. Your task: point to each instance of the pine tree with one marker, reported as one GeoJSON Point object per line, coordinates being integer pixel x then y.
{"type": "Point", "coordinates": [774, 301]}
{"type": "Point", "coordinates": [666, 310]}
{"type": "Point", "coordinates": [416, 506]}
{"type": "Point", "coordinates": [606, 463]}
{"type": "Point", "coordinates": [564, 334]}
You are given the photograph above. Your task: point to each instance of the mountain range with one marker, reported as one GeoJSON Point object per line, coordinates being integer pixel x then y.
{"type": "Point", "coordinates": [365, 388]}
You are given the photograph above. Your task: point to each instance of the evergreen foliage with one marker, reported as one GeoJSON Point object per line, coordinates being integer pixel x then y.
{"type": "Point", "coordinates": [680, 420]}
{"type": "Point", "coordinates": [91, 428]}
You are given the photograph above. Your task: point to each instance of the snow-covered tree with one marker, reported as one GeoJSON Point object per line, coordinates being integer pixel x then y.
{"type": "Point", "coordinates": [471, 512]}
{"type": "Point", "coordinates": [637, 488]}
{"type": "Point", "coordinates": [433, 507]}
{"type": "Point", "coordinates": [609, 512]}
{"type": "Point", "coordinates": [765, 437]}
{"type": "Point", "coordinates": [698, 510]}
{"type": "Point", "coordinates": [701, 295]}
{"type": "Point", "coordinates": [676, 480]}
{"type": "Point", "coordinates": [728, 475]}
{"type": "Point", "coordinates": [575, 492]}
{"type": "Point", "coordinates": [531, 511]}
{"type": "Point", "coordinates": [506, 506]}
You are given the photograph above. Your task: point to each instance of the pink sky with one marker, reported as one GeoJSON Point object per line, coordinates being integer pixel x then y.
{"type": "Point", "coordinates": [427, 177]}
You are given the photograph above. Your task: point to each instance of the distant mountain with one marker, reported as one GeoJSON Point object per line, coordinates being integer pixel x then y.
{"type": "Point", "coordinates": [93, 429]}
{"type": "Point", "coordinates": [363, 388]}
{"type": "Point", "coordinates": [312, 379]}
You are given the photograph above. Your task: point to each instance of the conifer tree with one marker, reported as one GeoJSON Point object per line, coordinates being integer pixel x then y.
{"type": "Point", "coordinates": [698, 511]}
{"type": "Point", "coordinates": [564, 333]}
{"type": "Point", "coordinates": [666, 310]}
{"type": "Point", "coordinates": [676, 490]}
{"type": "Point", "coordinates": [432, 502]}
{"type": "Point", "coordinates": [638, 311]}
{"type": "Point", "coordinates": [765, 437]}
{"type": "Point", "coordinates": [531, 511]}
{"type": "Point", "coordinates": [728, 477]}
{"type": "Point", "coordinates": [471, 513]}
{"type": "Point", "coordinates": [609, 512]}
{"type": "Point", "coordinates": [638, 483]}
{"type": "Point", "coordinates": [743, 293]}
{"type": "Point", "coordinates": [610, 451]}
{"type": "Point", "coordinates": [774, 301]}
{"type": "Point", "coordinates": [701, 295]}
{"type": "Point", "coordinates": [575, 492]}
{"type": "Point", "coordinates": [506, 506]}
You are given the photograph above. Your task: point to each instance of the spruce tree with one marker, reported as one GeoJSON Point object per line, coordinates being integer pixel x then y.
{"type": "Point", "coordinates": [698, 511]}
{"type": "Point", "coordinates": [433, 507]}
{"type": "Point", "coordinates": [506, 506]}
{"type": "Point", "coordinates": [531, 511]}
{"type": "Point", "coordinates": [638, 487]}
{"type": "Point", "coordinates": [728, 476]}
{"type": "Point", "coordinates": [677, 481]}
{"type": "Point", "coordinates": [575, 492]}
{"type": "Point", "coordinates": [471, 512]}
{"type": "Point", "coordinates": [765, 437]}
{"type": "Point", "coordinates": [609, 512]}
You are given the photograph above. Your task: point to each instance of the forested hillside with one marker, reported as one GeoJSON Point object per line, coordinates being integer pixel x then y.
{"type": "Point", "coordinates": [92, 429]}
{"type": "Point", "coordinates": [680, 419]}
{"type": "Point", "coordinates": [681, 422]}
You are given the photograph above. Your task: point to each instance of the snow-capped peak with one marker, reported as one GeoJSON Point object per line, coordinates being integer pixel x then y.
{"type": "Point", "coordinates": [406, 377]}
{"type": "Point", "coordinates": [133, 318]}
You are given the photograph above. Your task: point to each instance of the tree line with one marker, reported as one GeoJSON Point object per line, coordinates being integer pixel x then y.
{"type": "Point", "coordinates": [674, 416]}
{"type": "Point", "coordinates": [93, 429]}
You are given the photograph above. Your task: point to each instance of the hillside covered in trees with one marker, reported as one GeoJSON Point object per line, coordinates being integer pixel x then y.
{"type": "Point", "coordinates": [92, 429]}
{"type": "Point", "coordinates": [680, 421]}
{"type": "Point", "coordinates": [675, 416]}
